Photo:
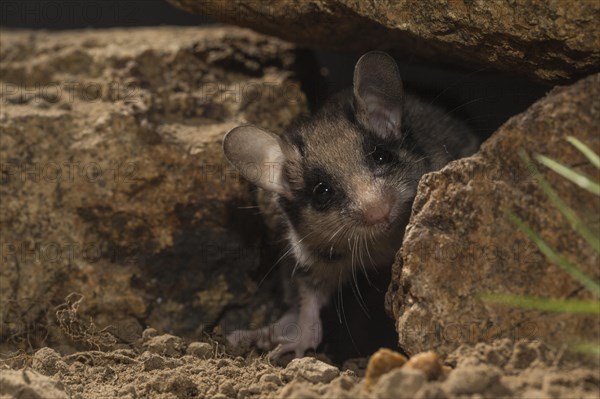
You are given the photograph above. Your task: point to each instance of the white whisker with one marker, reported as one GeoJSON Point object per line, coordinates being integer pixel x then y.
{"type": "Point", "coordinates": [282, 257]}
{"type": "Point", "coordinates": [355, 287]}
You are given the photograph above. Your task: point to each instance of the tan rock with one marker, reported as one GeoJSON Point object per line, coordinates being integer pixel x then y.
{"type": "Point", "coordinates": [310, 369]}
{"type": "Point", "coordinates": [427, 362]}
{"type": "Point", "coordinates": [553, 41]}
{"type": "Point", "coordinates": [166, 345]}
{"type": "Point", "coordinates": [113, 179]}
{"type": "Point", "coordinates": [380, 363]}
{"type": "Point", "coordinates": [202, 350]}
{"type": "Point", "coordinates": [48, 362]}
{"type": "Point", "coordinates": [460, 244]}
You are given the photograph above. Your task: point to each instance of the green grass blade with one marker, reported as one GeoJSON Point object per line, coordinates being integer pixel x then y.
{"type": "Point", "coordinates": [576, 223]}
{"type": "Point", "coordinates": [587, 347]}
{"type": "Point", "coordinates": [555, 258]}
{"type": "Point", "coordinates": [580, 179]}
{"type": "Point", "coordinates": [585, 150]}
{"type": "Point", "coordinates": [572, 306]}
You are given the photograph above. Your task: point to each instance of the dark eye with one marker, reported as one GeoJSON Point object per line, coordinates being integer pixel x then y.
{"type": "Point", "coordinates": [322, 193]}
{"type": "Point", "coordinates": [382, 156]}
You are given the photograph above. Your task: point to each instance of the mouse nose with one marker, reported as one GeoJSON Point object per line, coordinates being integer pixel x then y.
{"type": "Point", "coordinates": [376, 211]}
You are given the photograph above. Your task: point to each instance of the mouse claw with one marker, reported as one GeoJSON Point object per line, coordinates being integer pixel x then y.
{"type": "Point", "coordinates": [298, 347]}
{"type": "Point", "coordinates": [276, 353]}
{"type": "Point", "coordinates": [282, 349]}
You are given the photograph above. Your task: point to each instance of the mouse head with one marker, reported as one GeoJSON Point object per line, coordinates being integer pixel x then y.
{"type": "Point", "coordinates": [345, 171]}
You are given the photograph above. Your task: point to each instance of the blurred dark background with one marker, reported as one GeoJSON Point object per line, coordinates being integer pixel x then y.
{"type": "Point", "coordinates": [483, 98]}
{"type": "Point", "coordinates": [80, 14]}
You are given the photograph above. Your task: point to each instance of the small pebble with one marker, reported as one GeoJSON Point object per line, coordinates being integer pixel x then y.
{"type": "Point", "coordinates": [269, 387]}
{"type": "Point", "coordinates": [149, 333]}
{"type": "Point", "coordinates": [343, 382]}
{"type": "Point", "coordinates": [243, 393]}
{"type": "Point", "coordinates": [380, 363]}
{"type": "Point", "coordinates": [357, 366]}
{"type": "Point", "coordinates": [181, 386]}
{"type": "Point", "coordinates": [48, 362]}
{"type": "Point", "coordinates": [427, 362]}
{"type": "Point", "coordinates": [152, 361]}
{"type": "Point", "coordinates": [166, 345]}
{"type": "Point", "coordinates": [227, 389]}
{"type": "Point", "coordinates": [400, 383]}
{"type": "Point", "coordinates": [270, 378]}
{"type": "Point", "coordinates": [310, 369]}
{"type": "Point", "coordinates": [127, 390]}
{"type": "Point", "coordinates": [200, 349]}
{"type": "Point", "coordinates": [471, 380]}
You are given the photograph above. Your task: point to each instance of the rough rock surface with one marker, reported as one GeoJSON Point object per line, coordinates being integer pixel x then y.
{"type": "Point", "coordinates": [552, 41]}
{"type": "Point", "coordinates": [113, 181]}
{"type": "Point", "coordinates": [460, 244]}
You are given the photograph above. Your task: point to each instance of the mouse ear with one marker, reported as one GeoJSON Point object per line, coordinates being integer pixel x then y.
{"type": "Point", "coordinates": [378, 91]}
{"type": "Point", "coordinates": [257, 154]}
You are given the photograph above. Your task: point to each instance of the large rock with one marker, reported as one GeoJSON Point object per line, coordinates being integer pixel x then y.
{"type": "Point", "coordinates": [552, 41]}
{"type": "Point", "coordinates": [460, 244]}
{"type": "Point", "coordinates": [113, 181]}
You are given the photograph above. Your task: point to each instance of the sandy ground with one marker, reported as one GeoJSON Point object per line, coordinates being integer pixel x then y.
{"type": "Point", "coordinates": [165, 366]}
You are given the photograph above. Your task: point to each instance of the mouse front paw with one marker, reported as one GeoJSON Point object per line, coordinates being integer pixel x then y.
{"type": "Point", "coordinates": [298, 339]}
{"type": "Point", "coordinates": [268, 337]}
